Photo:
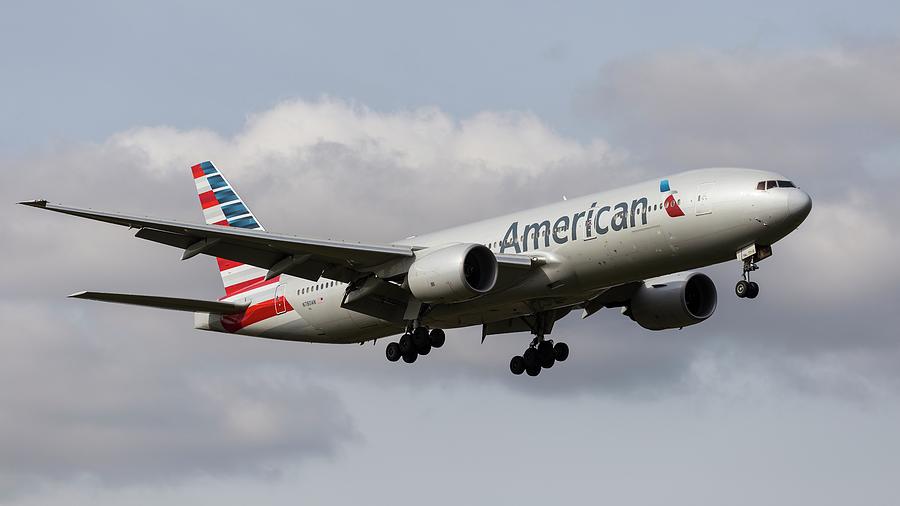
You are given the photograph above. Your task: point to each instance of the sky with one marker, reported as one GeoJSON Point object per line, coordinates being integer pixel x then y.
{"type": "Point", "coordinates": [376, 121]}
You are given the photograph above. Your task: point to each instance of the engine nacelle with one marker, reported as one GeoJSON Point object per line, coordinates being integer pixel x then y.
{"type": "Point", "coordinates": [673, 301]}
{"type": "Point", "coordinates": [454, 273]}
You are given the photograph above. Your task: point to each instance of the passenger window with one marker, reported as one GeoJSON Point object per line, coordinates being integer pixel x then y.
{"type": "Point", "coordinates": [770, 184]}
{"type": "Point", "coordinates": [761, 185]}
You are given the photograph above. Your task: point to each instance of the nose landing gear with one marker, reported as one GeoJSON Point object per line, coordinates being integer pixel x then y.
{"type": "Point", "coordinates": [746, 288]}
{"type": "Point", "coordinates": [749, 256]}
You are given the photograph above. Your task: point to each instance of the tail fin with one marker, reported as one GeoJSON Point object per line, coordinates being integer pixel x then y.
{"type": "Point", "coordinates": [222, 206]}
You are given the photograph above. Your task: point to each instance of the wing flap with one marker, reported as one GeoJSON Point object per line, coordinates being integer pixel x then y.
{"type": "Point", "coordinates": [171, 303]}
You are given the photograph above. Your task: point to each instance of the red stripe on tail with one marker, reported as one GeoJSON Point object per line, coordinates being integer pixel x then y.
{"type": "Point", "coordinates": [225, 264]}
{"type": "Point", "coordinates": [208, 199]}
{"type": "Point", "coordinates": [250, 284]}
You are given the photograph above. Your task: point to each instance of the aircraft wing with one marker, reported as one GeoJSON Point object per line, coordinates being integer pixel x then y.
{"type": "Point", "coordinates": [280, 254]}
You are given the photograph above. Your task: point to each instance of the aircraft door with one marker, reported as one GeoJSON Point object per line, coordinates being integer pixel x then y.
{"type": "Point", "coordinates": [280, 306]}
{"type": "Point", "coordinates": [704, 199]}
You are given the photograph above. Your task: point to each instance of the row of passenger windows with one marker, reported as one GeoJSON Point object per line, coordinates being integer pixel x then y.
{"type": "Point", "coordinates": [319, 286]}
{"type": "Point", "coordinates": [765, 185]}
{"type": "Point", "coordinates": [497, 244]}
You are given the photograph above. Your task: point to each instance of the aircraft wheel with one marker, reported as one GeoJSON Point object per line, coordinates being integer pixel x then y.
{"type": "Point", "coordinates": [561, 352]}
{"type": "Point", "coordinates": [421, 341]}
{"type": "Point", "coordinates": [742, 288]}
{"type": "Point", "coordinates": [517, 365]}
{"type": "Point", "coordinates": [534, 370]}
{"type": "Point", "coordinates": [406, 344]}
{"type": "Point", "coordinates": [753, 291]}
{"type": "Point", "coordinates": [437, 338]}
{"type": "Point", "coordinates": [531, 359]}
{"type": "Point", "coordinates": [410, 357]}
{"type": "Point", "coordinates": [545, 354]}
{"type": "Point", "coordinates": [392, 351]}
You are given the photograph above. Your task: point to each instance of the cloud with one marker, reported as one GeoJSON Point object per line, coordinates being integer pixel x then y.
{"type": "Point", "coordinates": [808, 113]}
{"type": "Point", "coordinates": [318, 154]}
{"type": "Point", "coordinates": [80, 401]}
{"type": "Point", "coordinates": [104, 384]}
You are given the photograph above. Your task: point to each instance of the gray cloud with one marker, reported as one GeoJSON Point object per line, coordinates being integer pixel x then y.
{"type": "Point", "coordinates": [831, 112]}
{"type": "Point", "coordinates": [329, 168]}
{"type": "Point", "coordinates": [96, 396]}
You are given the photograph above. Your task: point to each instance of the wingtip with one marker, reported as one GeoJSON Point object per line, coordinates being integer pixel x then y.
{"type": "Point", "coordinates": [34, 203]}
{"type": "Point", "coordinates": [77, 295]}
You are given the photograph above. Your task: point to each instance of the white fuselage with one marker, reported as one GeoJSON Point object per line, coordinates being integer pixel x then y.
{"type": "Point", "coordinates": [586, 245]}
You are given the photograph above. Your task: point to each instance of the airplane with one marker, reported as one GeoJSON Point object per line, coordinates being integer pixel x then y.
{"type": "Point", "coordinates": [633, 248]}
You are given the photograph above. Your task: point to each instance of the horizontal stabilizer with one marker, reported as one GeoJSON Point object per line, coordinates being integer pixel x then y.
{"type": "Point", "coordinates": [173, 303]}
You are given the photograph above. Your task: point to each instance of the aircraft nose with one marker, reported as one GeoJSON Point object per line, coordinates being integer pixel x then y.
{"type": "Point", "coordinates": [799, 205]}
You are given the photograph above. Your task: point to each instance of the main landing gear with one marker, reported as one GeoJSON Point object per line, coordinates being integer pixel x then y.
{"type": "Point", "coordinates": [412, 344]}
{"type": "Point", "coordinates": [541, 354]}
{"type": "Point", "coordinates": [746, 288]}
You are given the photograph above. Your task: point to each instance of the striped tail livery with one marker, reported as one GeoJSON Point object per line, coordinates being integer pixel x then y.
{"type": "Point", "coordinates": [222, 206]}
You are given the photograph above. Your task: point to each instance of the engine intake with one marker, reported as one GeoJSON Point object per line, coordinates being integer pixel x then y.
{"type": "Point", "coordinates": [453, 273]}
{"type": "Point", "coordinates": [673, 302]}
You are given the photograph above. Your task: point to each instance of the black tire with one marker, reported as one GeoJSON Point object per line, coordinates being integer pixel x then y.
{"type": "Point", "coordinates": [410, 357]}
{"type": "Point", "coordinates": [531, 358]}
{"type": "Point", "coordinates": [392, 351]}
{"type": "Point", "coordinates": [741, 288]}
{"type": "Point", "coordinates": [561, 352]}
{"type": "Point", "coordinates": [517, 365]}
{"type": "Point", "coordinates": [754, 290]}
{"type": "Point", "coordinates": [421, 341]}
{"type": "Point", "coordinates": [533, 371]}
{"type": "Point", "coordinates": [545, 354]}
{"type": "Point", "coordinates": [406, 344]}
{"type": "Point", "coordinates": [437, 338]}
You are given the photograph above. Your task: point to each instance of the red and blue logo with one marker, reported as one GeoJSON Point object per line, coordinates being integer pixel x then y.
{"type": "Point", "coordinates": [671, 203]}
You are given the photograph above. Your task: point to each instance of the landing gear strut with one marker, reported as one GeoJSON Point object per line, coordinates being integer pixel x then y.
{"type": "Point", "coordinates": [541, 353]}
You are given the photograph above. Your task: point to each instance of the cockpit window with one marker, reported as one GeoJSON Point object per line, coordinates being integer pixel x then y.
{"type": "Point", "coordinates": [786, 184]}
{"type": "Point", "coordinates": [770, 184]}
{"type": "Point", "coordinates": [761, 185]}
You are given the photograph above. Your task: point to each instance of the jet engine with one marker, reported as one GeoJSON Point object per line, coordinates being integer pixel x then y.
{"type": "Point", "coordinates": [454, 273]}
{"type": "Point", "coordinates": [673, 301]}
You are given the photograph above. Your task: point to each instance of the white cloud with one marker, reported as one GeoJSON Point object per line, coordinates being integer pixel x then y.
{"type": "Point", "coordinates": [422, 141]}
{"type": "Point", "coordinates": [335, 169]}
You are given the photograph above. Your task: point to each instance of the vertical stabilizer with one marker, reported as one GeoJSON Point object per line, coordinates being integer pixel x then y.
{"type": "Point", "coordinates": [222, 206]}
